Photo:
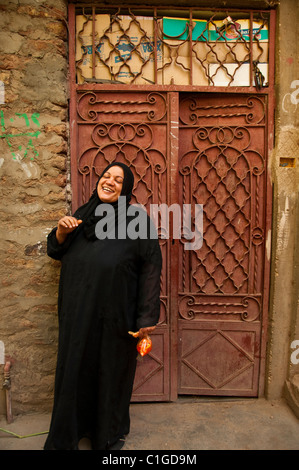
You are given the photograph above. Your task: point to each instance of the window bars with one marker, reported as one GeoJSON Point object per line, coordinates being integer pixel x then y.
{"type": "Point", "coordinates": [181, 47]}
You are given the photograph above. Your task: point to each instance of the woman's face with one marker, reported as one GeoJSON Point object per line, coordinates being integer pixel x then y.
{"type": "Point", "coordinates": [110, 185]}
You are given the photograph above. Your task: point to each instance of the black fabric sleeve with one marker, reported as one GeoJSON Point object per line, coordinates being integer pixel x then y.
{"type": "Point", "coordinates": [54, 249]}
{"type": "Point", "coordinates": [148, 310]}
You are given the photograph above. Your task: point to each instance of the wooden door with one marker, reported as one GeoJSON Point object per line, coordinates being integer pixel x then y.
{"type": "Point", "coordinates": [207, 149]}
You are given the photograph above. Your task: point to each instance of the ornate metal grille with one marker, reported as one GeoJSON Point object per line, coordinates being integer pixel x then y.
{"type": "Point", "coordinates": [140, 141]}
{"type": "Point", "coordinates": [222, 168]}
{"type": "Point", "coordinates": [194, 47]}
{"type": "Point", "coordinates": [105, 137]}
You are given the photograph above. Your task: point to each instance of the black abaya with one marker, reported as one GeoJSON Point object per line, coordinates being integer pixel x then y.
{"type": "Point", "coordinates": [107, 287]}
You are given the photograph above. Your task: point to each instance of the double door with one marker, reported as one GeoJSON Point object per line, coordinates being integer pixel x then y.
{"type": "Point", "coordinates": [188, 151]}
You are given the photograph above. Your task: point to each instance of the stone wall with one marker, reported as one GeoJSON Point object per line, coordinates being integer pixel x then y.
{"type": "Point", "coordinates": [285, 172]}
{"type": "Point", "coordinates": [283, 361]}
{"type": "Point", "coordinates": [33, 164]}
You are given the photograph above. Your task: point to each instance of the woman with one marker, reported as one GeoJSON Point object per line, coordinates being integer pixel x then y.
{"type": "Point", "coordinates": [108, 286]}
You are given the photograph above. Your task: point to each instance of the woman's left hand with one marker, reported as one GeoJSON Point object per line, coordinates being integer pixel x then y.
{"type": "Point", "coordinates": [143, 332]}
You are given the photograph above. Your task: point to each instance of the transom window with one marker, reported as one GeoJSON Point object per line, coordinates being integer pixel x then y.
{"type": "Point", "coordinates": [172, 47]}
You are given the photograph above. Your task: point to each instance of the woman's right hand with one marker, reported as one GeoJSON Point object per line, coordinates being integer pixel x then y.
{"type": "Point", "coordinates": [66, 225]}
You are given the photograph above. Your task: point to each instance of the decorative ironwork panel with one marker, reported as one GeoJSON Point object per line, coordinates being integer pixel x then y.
{"type": "Point", "coordinates": [130, 128]}
{"type": "Point", "coordinates": [119, 128]}
{"type": "Point", "coordinates": [222, 166]}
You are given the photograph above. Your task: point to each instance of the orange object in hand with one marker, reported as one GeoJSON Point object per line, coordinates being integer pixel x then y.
{"type": "Point", "coordinates": [144, 346]}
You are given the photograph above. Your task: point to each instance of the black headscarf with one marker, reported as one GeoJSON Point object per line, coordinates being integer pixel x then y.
{"type": "Point", "coordinates": [87, 212]}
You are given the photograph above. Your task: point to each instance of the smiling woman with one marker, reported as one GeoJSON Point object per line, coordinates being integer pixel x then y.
{"type": "Point", "coordinates": [110, 185]}
{"type": "Point", "coordinates": [108, 287]}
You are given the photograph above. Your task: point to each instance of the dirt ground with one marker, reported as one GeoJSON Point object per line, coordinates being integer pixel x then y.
{"type": "Point", "coordinates": [188, 424]}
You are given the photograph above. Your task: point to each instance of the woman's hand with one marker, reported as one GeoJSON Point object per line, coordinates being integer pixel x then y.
{"type": "Point", "coordinates": [66, 225]}
{"type": "Point", "coordinates": [143, 332]}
